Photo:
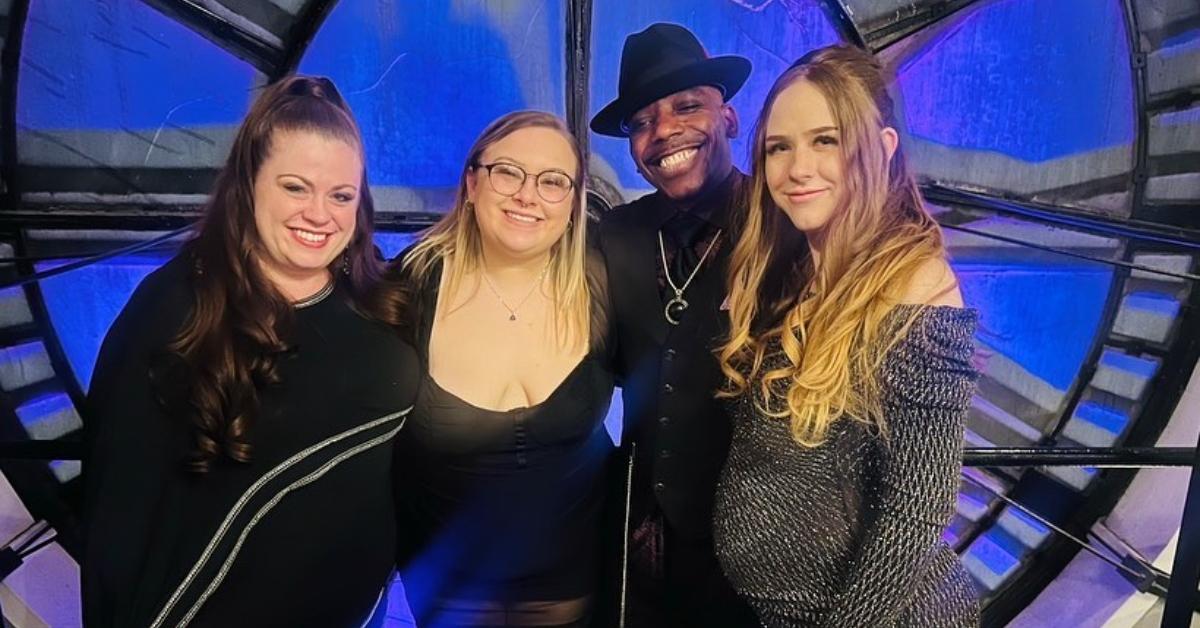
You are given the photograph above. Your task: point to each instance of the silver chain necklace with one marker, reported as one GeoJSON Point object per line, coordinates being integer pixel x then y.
{"type": "Point", "coordinates": [677, 304]}
{"type": "Point", "coordinates": [512, 311]}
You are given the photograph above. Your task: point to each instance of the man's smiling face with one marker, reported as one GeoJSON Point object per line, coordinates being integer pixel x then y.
{"type": "Point", "coordinates": [680, 142]}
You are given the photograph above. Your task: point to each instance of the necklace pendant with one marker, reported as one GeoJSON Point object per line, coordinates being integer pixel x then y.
{"type": "Point", "coordinates": [674, 309]}
{"type": "Point", "coordinates": [512, 317]}
{"type": "Point", "coordinates": [676, 306]}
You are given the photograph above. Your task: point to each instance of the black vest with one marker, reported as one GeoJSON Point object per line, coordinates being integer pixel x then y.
{"type": "Point", "coordinates": [669, 373]}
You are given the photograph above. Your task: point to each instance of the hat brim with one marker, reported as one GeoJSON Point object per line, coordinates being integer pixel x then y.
{"type": "Point", "coordinates": [728, 73]}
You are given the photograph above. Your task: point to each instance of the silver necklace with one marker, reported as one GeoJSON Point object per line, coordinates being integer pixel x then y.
{"type": "Point", "coordinates": [315, 298]}
{"type": "Point", "coordinates": [512, 311]}
{"type": "Point", "coordinates": [678, 304]}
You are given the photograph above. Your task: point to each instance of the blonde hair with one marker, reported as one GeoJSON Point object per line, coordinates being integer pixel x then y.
{"type": "Point", "coordinates": [455, 239]}
{"type": "Point", "coordinates": [829, 317]}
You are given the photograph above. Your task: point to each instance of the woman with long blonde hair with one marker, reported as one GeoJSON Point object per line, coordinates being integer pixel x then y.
{"type": "Point", "coordinates": [849, 369]}
{"type": "Point", "coordinates": [499, 471]}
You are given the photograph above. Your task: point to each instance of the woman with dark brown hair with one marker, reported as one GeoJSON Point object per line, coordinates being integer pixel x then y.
{"type": "Point", "coordinates": [241, 420]}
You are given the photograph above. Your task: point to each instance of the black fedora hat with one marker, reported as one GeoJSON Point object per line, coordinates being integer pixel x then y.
{"type": "Point", "coordinates": [662, 60]}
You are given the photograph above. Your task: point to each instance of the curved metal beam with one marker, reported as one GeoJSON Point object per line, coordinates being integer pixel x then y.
{"type": "Point", "coordinates": [1140, 174]}
{"type": "Point", "coordinates": [1108, 457]}
{"type": "Point", "coordinates": [215, 28]}
{"type": "Point", "coordinates": [1185, 570]}
{"type": "Point", "coordinates": [932, 13]}
{"type": "Point", "coordinates": [307, 25]}
{"type": "Point", "coordinates": [1141, 231]}
{"type": "Point", "coordinates": [10, 68]}
{"type": "Point", "coordinates": [578, 62]}
{"type": "Point", "coordinates": [839, 14]}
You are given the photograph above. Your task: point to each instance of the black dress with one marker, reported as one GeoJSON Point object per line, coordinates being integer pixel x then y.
{"type": "Point", "coordinates": [302, 535]}
{"type": "Point", "coordinates": [501, 508]}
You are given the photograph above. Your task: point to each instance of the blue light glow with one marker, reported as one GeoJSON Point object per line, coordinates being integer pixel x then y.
{"type": "Point", "coordinates": [18, 353]}
{"type": "Point", "coordinates": [1043, 317]}
{"type": "Point", "coordinates": [1129, 363]}
{"type": "Point", "coordinates": [1027, 521]}
{"type": "Point", "coordinates": [1157, 303]}
{"type": "Point", "coordinates": [1108, 419]}
{"type": "Point", "coordinates": [1185, 117]}
{"type": "Point", "coordinates": [424, 77]}
{"type": "Point", "coordinates": [398, 613]}
{"type": "Point", "coordinates": [48, 416]}
{"type": "Point", "coordinates": [1030, 79]}
{"type": "Point", "coordinates": [84, 303]}
{"type": "Point", "coordinates": [125, 66]}
{"type": "Point", "coordinates": [392, 244]}
{"type": "Point", "coordinates": [1006, 541]}
{"type": "Point", "coordinates": [65, 470]}
{"type": "Point", "coordinates": [1180, 43]}
{"type": "Point", "coordinates": [992, 555]}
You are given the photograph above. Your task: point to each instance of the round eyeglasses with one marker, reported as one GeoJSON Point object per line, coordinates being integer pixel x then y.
{"type": "Point", "coordinates": [507, 179]}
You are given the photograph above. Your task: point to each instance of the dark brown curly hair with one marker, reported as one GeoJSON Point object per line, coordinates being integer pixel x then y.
{"type": "Point", "coordinates": [235, 332]}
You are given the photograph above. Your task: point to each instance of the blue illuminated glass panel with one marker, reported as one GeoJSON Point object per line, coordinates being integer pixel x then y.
{"type": "Point", "coordinates": [771, 34]}
{"type": "Point", "coordinates": [1163, 305]}
{"type": "Point", "coordinates": [989, 562]}
{"type": "Point", "coordinates": [48, 416]}
{"type": "Point", "coordinates": [128, 73]}
{"type": "Point", "coordinates": [1030, 79]}
{"type": "Point", "coordinates": [1044, 317]}
{"type": "Point", "coordinates": [424, 77]}
{"type": "Point", "coordinates": [392, 244]}
{"type": "Point", "coordinates": [83, 304]}
{"type": "Point", "coordinates": [1109, 419]}
{"type": "Point", "coordinates": [1189, 39]}
{"type": "Point", "coordinates": [1131, 364]}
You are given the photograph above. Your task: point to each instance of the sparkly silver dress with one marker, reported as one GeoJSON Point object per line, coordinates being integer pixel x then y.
{"type": "Point", "coordinates": [849, 533]}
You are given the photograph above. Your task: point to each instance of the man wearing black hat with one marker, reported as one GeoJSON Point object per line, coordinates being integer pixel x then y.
{"type": "Point", "coordinates": [667, 253]}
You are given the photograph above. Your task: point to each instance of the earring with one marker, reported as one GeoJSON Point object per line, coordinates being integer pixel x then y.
{"type": "Point", "coordinates": [346, 262]}
{"type": "Point", "coordinates": [469, 206]}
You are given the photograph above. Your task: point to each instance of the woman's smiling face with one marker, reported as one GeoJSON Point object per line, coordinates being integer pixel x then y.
{"type": "Point", "coordinates": [804, 160]}
{"type": "Point", "coordinates": [306, 198]}
{"type": "Point", "coordinates": [523, 225]}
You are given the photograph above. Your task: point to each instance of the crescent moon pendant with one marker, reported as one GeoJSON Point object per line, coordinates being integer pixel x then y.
{"type": "Point", "coordinates": [674, 309]}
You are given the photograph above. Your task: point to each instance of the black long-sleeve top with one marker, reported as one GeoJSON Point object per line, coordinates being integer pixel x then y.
{"type": "Point", "coordinates": [302, 535]}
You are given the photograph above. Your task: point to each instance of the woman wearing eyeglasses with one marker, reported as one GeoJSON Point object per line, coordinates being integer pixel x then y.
{"type": "Point", "coordinates": [499, 466]}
